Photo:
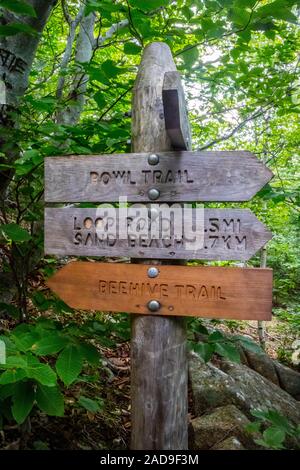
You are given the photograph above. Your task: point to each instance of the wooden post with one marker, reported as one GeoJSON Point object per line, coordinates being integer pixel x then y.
{"type": "Point", "coordinates": [158, 345]}
{"type": "Point", "coordinates": [263, 264]}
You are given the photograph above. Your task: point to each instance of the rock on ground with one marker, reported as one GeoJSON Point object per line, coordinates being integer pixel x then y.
{"type": "Point", "coordinates": [237, 384]}
{"type": "Point", "coordinates": [231, 443]}
{"type": "Point", "coordinates": [224, 428]}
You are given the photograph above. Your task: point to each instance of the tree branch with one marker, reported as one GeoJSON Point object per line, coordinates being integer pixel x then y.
{"type": "Point", "coordinates": [110, 32]}
{"type": "Point", "coordinates": [68, 50]}
{"type": "Point", "coordinates": [235, 129]}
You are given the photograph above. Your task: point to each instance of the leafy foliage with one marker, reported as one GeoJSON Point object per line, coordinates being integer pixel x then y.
{"type": "Point", "coordinates": [277, 431]}
{"type": "Point", "coordinates": [215, 342]}
{"type": "Point", "coordinates": [26, 379]}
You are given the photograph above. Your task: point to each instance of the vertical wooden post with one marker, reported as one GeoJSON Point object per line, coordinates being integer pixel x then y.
{"type": "Point", "coordinates": [263, 264]}
{"type": "Point", "coordinates": [158, 345]}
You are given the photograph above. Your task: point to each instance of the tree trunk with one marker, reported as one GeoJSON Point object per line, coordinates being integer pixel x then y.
{"type": "Point", "coordinates": [16, 57]}
{"type": "Point", "coordinates": [158, 345]}
{"type": "Point", "coordinates": [70, 115]}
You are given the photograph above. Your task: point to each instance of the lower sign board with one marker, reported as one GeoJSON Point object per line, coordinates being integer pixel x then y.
{"type": "Point", "coordinates": [210, 234]}
{"type": "Point", "coordinates": [213, 292]}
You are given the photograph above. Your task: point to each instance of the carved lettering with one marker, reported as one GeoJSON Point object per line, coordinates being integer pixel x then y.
{"type": "Point", "coordinates": [11, 62]}
{"type": "Point", "coordinates": [141, 289]}
{"type": "Point", "coordinates": [241, 242]}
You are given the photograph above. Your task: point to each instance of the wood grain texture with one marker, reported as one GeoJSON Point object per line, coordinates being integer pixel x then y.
{"type": "Point", "coordinates": [175, 111]}
{"type": "Point", "coordinates": [213, 292]}
{"type": "Point", "coordinates": [179, 176]}
{"type": "Point", "coordinates": [159, 367]}
{"type": "Point", "coordinates": [229, 234]}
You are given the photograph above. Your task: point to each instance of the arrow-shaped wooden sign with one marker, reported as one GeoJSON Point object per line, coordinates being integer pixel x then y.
{"type": "Point", "coordinates": [214, 292]}
{"type": "Point", "coordinates": [227, 234]}
{"type": "Point", "coordinates": [169, 176]}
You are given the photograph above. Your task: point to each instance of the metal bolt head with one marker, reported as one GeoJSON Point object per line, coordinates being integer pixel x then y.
{"type": "Point", "coordinates": [153, 272]}
{"type": "Point", "coordinates": [153, 194]}
{"type": "Point", "coordinates": [153, 159]}
{"type": "Point", "coordinates": [153, 213]}
{"type": "Point", "coordinates": [153, 305]}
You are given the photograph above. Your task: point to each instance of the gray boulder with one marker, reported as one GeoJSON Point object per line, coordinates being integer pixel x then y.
{"type": "Point", "coordinates": [237, 384]}
{"type": "Point", "coordinates": [231, 443]}
{"type": "Point", "coordinates": [213, 430]}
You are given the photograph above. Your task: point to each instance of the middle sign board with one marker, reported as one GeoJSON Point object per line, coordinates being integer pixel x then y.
{"type": "Point", "coordinates": [208, 234]}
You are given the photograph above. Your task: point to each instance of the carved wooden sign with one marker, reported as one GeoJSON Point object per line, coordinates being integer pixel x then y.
{"type": "Point", "coordinates": [227, 234]}
{"type": "Point", "coordinates": [169, 176]}
{"type": "Point", "coordinates": [213, 292]}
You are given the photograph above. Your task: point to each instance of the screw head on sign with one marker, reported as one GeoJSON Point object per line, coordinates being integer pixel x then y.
{"type": "Point", "coordinates": [153, 194]}
{"type": "Point", "coordinates": [153, 272]}
{"type": "Point", "coordinates": [153, 305]}
{"type": "Point", "coordinates": [153, 213]}
{"type": "Point", "coordinates": [153, 159]}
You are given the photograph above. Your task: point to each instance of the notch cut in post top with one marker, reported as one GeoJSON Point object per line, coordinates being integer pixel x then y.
{"type": "Point", "coordinates": [148, 129]}
{"type": "Point", "coordinates": [175, 112]}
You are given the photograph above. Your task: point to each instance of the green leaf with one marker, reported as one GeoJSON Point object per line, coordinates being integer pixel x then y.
{"type": "Point", "coordinates": [190, 56]}
{"type": "Point", "coordinates": [277, 10]}
{"type": "Point", "coordinates": [274, 437]}
{"type": "Point", "coordinates": [23, 400]}
{"type": "Point", "coordinates": [147, 5]}
{"type": "Point", "coordinates": [229, 351]}
{"type": "Point", "coordinates": [215, 336]}
{"type": "Point", "coordinates": [15, 28]}
{"type": "Point", "coordinates": [25, 341]}
{"type": "Point", "coordinates": [51, 344]}
{"type": "Point", "coordinates": [69, 364]}
{"type": "Point", "coordinates": [18, 6]}
{"type": "Point", "coordinates": [92, 406]}
{"type": "Point", "coordinates": [50, 400]}
{"type": "Point", "coordinates": [15, 362]}
{"type": "Point", "coordinates": [261, 414]}
{"type": "Point", "coordinates": [90, 353]}
{"type": "Point", "coordinates": [31, 155]}
{"type": "Point", "coordinates": [249, 344]}
{"type": "Point", "coordinates": [240, 16]}
{"type": "Point", "coordinates": [131, 48]}
{"type": "Point", "coordinates": [44, 104]}
{"type": "Point", "coordinates": [13, 311]}
{"type": "Point", "coordinates": [204, 350]}
{"type": "Point", "coordinates": [100, 99]}
{"type": "Point", "coordinates": [6, 391]}
{"type": "Point", "coordinates": [253, 427]}
{"type": "Point", "coordinates": [12, 376]}
{"type": "Point", "coordinates": [278, 420]}
{"type": "Point", "coordinates": [15, 233]}
{"type": "Point", "coordinates": [110, 69]}
{"type": "Point", "coordinates": [244, 3]}
{"type": "Point", "coordinates": [40, 372]}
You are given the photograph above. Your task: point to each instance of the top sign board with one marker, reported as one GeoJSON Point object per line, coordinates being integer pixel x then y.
{"type": "Point", "coordinates": [161, 177]}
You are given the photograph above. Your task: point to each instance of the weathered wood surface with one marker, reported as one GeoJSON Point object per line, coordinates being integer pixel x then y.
{"type": "Point", "coordinates": [175, 111]}
{"type": "Point", "coordinates": [159, 367]}
{"type": "Point", "coordinates": [213, 292]}
{"type": "Point", "coordinates": [229, 234]}
{"type": "Point", "coordinates": [178, 176]}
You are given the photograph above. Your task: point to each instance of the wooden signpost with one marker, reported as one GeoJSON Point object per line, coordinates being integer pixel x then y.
{"type": "Point", "coordinates": [160, 176]}
{"type": "Point", "coordinates": [228, 234]}
{"type": "Point", "coordinates": [213, 292]}
{"type": "Point", "coordinates": [161, 169]}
